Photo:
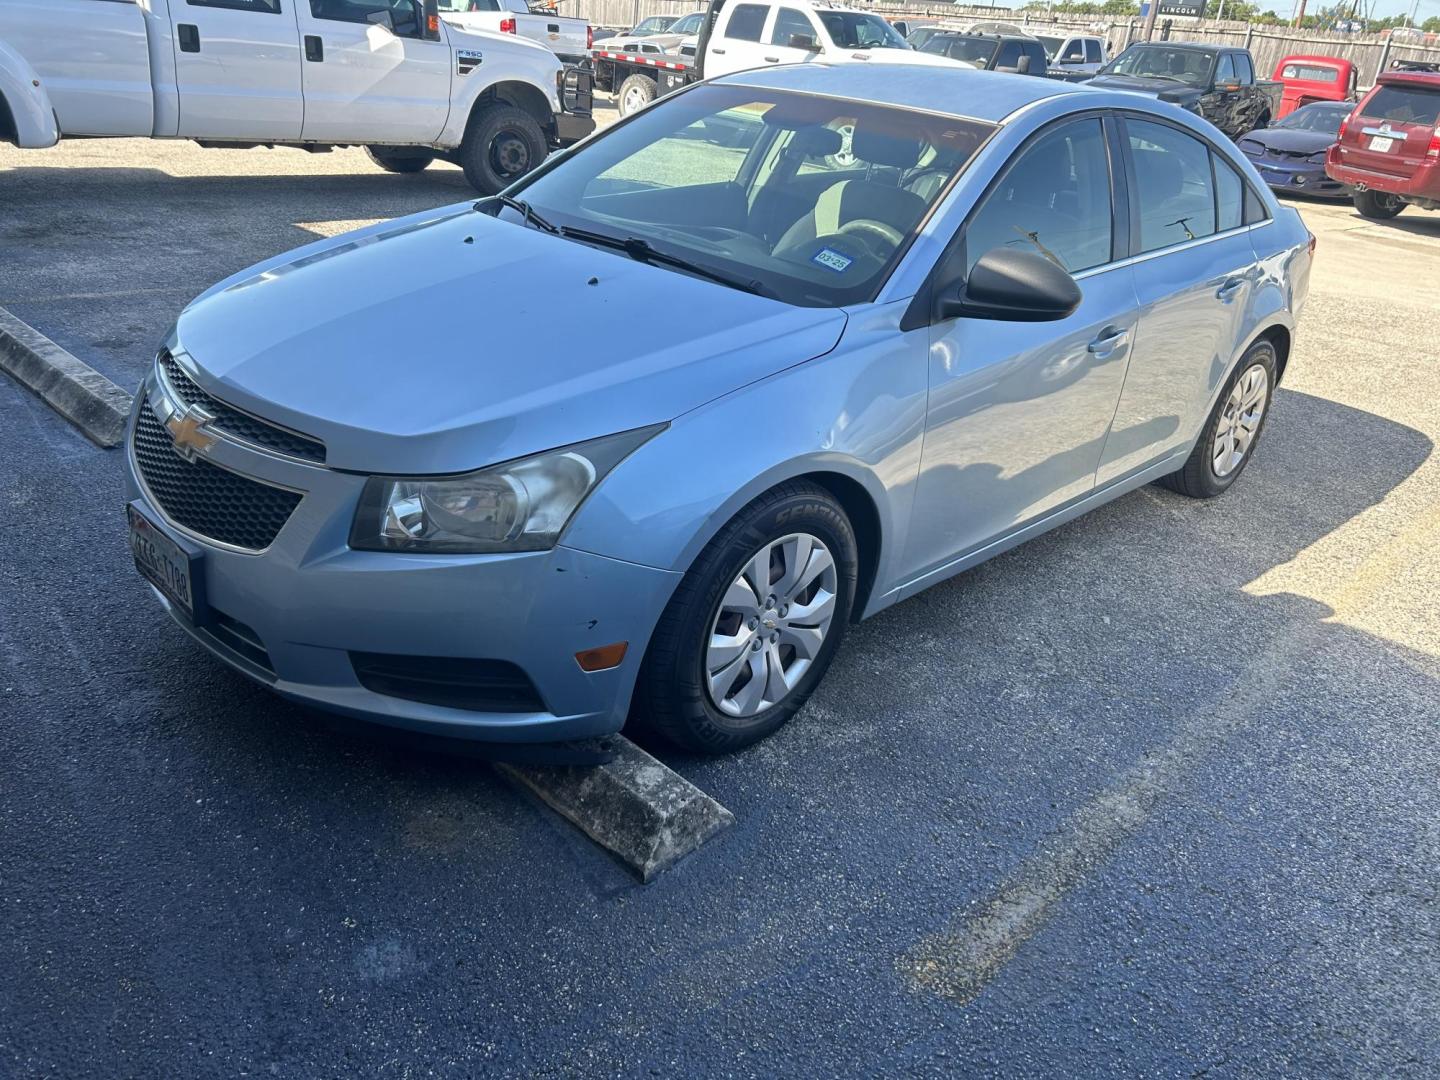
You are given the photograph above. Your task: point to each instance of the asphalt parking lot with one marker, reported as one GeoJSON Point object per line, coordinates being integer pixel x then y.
{"type": "Point", "coordinates": [1154, 794]}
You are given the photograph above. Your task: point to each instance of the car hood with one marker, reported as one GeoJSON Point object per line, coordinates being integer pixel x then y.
{"type": "Point", "coordinates": [1289, 140]}
{"type": "Point", "coordinates": [451, 340]}
{"type": "Point", "coordinates": [1164, 89]}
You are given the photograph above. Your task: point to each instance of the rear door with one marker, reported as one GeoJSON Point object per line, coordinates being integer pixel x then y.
{"type": "Point", "coordinates": [237, 69]}
{"type": "Point", "coordinates": [735, 44]}
{"type": "Point", "coordinates": [369, 76]}
{"type": "Point", "coordinates": [1195, 275]}
{"type": "Point", "coordinates": [1390, 132]}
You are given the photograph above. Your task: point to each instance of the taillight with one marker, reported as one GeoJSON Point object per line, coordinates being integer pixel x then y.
{"type": "Point", "coordinates": [1312, 243]}
{"type": "Point", "coordinates": [589, 37]}
{"type": "Point", "coordinates": [1343, 125]}
{"type": "Point", "coordinates": [507, 26]}
{"type": "Point", "coordinates": [1434, 149]}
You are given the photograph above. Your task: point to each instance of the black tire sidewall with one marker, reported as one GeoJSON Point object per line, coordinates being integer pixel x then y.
{"type": "Point", "coordinates": [408, 163]}
{"type": "Point", "coordinates": [1368, 204]}
{"type": "Point", "coordinates": [675, 687]}
{"type": "Point", "coordinates": [1201, 463]}
{"type": "Point", "coordinates": [485, 126]}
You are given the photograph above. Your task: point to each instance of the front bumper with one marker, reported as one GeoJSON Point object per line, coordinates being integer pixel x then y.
{"type": "Point", "coordinates": [1299, 178]}
{"type": "Point", "coordinates": [576, 88]}
{"type": "Point", "coordinates": [310, 603]}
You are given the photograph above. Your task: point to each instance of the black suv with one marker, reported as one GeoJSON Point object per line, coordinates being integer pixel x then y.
{"type": "Point", "coordinates": [993, 52]}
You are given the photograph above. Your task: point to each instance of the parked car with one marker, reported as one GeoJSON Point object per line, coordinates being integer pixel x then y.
{"type": "Point", "coordinates": [1290, 154]}
{"type": "Point", "coordinates": [667, 40]}
{"type": "Point", "coordinates": [568, 38]}
{"type": "Point", "coordinates": [1304, 79]}
{"type": "Point", "coordinates": [388, 75]}
{"type": "Point", "coordinates": [1389, 147]}
{"type": "Point", "coordinates": [1212, 81]}
{"type": "Point", "coordinates": [917, 37]}
{"type": "Point", "coordinates": [991, 52]}
{"type": "Point", "coordinates": [859, 375]}
{"type": "Point", "coordinates": [1074, 54]}
{"type": "Point", "coordinates": [749, 35]}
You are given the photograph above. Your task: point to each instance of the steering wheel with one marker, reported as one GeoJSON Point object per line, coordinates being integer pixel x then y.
{"type": "Point", "coordinates": [872, 233]}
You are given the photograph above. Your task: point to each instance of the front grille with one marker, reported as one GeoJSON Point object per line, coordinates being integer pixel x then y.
{"type": "Point", "coordinates": [204, 498]}
{"type": "Point", "coordinates": [241, 424]}
{"type": "Point", "coordinates": [453, 682]}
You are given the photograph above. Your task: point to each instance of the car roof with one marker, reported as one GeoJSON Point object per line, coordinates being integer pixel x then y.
{"type": "Point", "coordinates": [958, 91]}
{"type": "Point", "coordinates": [1429, 79]}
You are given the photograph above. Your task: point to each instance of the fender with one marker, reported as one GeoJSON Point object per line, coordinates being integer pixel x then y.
{"type": "Point", "coordinates": [505, 58]}
{"type": "Point", "coordinates": [27, 100]}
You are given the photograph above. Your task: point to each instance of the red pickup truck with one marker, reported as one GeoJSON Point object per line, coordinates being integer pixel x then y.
{"type": "Point", "coordinates": [1389, 147]}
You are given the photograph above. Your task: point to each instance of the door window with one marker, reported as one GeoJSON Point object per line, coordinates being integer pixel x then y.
{"type": "Point", "coordinates": [788, 24]}
{"type": "Point", "coordinates": [404, 17]}
{"type": "Point", "coordinates": [1074, 50]}
{"type": "Point", "coordinates": [1038, 62]}
{"type": "Point", "coordinates": [1009, 55]}
{"type": "Point", "coordinates": [1092, 51]}
{"type": "Point", "coordinates": [269, 7]}
{"type": "Point", "coordinates": [746, 22]}
{"type": "Point", "coordinates": [1244, 69]}
{"type": "Point", "coordinates": [1229, 195]}
{"type": "Point", "coordinates": [1054, 199]}
{"type": "Point", "coordinates": [1174, 188]}
{"type": "Point", "coordinates": [1225, 70]}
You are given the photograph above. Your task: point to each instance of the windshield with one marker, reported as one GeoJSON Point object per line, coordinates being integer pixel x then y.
{"type": "Point", "coordinates": [809, 199]}
{"type": "Point", "coordinates": [1155, 61]}
{"type": "Point", "coordinates": [1050, 44]}
{"type": "Point", "coordinates": [656, 24]}
{"type": "Point", "coordinates": [975, 50]}
{"type": "Point", "coordinates": [1322, 118]}
{"type": "Point", "coordinates": [690, 24]}
{"type": "Point", "coordinates": [853, 30]}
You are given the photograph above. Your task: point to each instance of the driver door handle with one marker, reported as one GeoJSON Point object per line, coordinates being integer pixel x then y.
{"type": "Point", "coordinates": [718, 52]}
{"type": "Point", "coordinates": [772, 59]}
{"type": "Point", "coordinates": [1227, 290]}
{"type": "Point", "coordinates": [1111, 339]}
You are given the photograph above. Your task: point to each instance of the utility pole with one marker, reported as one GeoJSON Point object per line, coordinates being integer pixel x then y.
{"type": "Point", "coordinates": [1299, 14]}
{"type": "Point", "coordinates": [1150, 13]}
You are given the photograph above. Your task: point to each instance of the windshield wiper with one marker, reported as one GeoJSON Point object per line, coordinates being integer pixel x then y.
{"type": "Point", "coordinates": [640, 250]}
{"type": "Point", "coordinates": [525, 210]}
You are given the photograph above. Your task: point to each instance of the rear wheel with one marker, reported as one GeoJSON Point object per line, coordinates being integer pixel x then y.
{"type": "Point", "coordinates": [1228, 441]}
{"type": "Point", "coordinates": [501, 145]}
{"type": "Point", "coordinates": [399, 159]}
{"type": "Point", "coordinates": [635, 93]}
{"type": "Point", "coordinates": [1377, 205]}
{"type": "Point", "coordinates": [753, 625]}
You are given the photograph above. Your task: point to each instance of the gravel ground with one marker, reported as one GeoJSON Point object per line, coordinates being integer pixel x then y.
{"type": "Point", "coordinates": [1154, 794]}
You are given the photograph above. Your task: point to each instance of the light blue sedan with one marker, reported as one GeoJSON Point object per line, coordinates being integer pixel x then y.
{"type": "Point", "coordinates": [640, 438]}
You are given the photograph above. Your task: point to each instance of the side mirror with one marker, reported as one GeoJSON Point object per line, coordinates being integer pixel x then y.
{"type": "Point", "coordinates": [1006, 285]}
{"type": "Point", "coordinates": [1022, 66]}
{"type": "Point", "coordinates": [804, 41]}
{"type": "Point", "coordinates": [1227, 88]}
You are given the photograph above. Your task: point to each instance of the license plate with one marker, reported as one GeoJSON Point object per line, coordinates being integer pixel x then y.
{"type": "Point", "coordinates": [1382, 144]}
{"type": "Point", "coordinates": [164, 563]}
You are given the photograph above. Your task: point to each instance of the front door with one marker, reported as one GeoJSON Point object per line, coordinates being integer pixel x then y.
{"type": "Point", "coordinates": [369, 76]}
{"type": "Point", "coordinates": [1195, 279]}
{"type": "Point", "coordinates": [1019, 411]}
{"type": "Point", "coordinates": [791, 25]}
{"type": "Point", "coordinates": [237, 69]}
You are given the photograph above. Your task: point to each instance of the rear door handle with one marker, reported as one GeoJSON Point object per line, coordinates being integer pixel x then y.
{"type": "Point", "coordinates": [1111, 339]}
{"type": "Point", "coordinates": [718, 52]}
{"type": "Point", "coordinates": [1226, 292]}
{"type": "Point", "coordinates": [189, 35]}
{"type": "Point", "coordinates": [772, 59]}
{"type": "Point", "coordinates": [314, 48]}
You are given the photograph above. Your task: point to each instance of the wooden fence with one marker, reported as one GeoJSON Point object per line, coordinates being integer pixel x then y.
{"type": "Point", "coordinates": [1269, 44]}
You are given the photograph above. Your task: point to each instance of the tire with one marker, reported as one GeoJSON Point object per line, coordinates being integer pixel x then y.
{"type": "Point", "coordinates": [1377, 205]}
{"type": "Point", "coordinates": [501, 144]}
{"type": "Point", "coordinates": [635, 93]}
{"type": "Point", "coordinates": [1205, 473]}
{"type": "Point", "coordinates": [673, 693]}
{"type": "Point", "coordinates": [399, 160]}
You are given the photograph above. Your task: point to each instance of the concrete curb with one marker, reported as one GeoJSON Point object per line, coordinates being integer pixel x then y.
{"type": "Point", "coordinates": [74, 389]}
{"type": "Point", "coordinates": [634, 806]}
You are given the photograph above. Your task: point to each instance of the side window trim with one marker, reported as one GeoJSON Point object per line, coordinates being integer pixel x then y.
{"type": "Point", "coordinates": [255, 7]}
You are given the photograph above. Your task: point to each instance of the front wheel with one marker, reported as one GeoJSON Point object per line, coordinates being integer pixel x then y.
{"type": "Point", "coordinates": [397, 159]}
{"type": "Point", "coordinates": [1377, 205]}
{"type": "Point", "coordinates": [501, 145]}
{"type": "Point", "coordinates": [753, 625]}
{"type": "Point", "coordinates": [1228, 441]}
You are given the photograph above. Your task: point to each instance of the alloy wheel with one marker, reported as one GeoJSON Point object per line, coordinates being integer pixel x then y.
{"type": "Point", "coordinates": [1240, 420]}
{"type": "Point", "coordinates": [770, 625]}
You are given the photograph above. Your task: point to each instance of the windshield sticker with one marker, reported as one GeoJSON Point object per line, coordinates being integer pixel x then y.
{"type": "Point", "coordinates": [832, 260]}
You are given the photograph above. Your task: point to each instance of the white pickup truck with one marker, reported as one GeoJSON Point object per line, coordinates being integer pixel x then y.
{"type": "Point", "coordinates": [567, 37]}
{"type": "Point", "coordinates": [388, 75]}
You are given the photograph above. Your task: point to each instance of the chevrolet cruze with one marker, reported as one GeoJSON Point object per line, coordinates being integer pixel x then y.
{"type": "Point", "coordinates": [641, 436]}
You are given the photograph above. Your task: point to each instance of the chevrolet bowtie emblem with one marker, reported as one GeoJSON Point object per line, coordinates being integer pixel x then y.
{"type": "Point", "coordinates": [187, 430]}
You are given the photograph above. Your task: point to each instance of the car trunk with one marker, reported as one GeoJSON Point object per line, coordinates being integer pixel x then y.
{"type": "Point", "coordinates": [1391, 131]}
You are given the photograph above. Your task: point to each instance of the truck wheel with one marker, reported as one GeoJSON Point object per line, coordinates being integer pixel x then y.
{"type": "Point", "coordinates": [501, 145]}
{"type": "Point", "coordinates": [1377, 205]}
{"type": "Point", "coordinates": [635, 93]}
{"type": "Point", "coordinates": [398, 159]}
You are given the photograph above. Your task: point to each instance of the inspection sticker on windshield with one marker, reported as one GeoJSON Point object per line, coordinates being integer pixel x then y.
{"type": "Point", "coordinates": [832, 260]}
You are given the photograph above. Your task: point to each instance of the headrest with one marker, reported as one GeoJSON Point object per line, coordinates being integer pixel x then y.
{"type": "Point", "coordinates": [817, 141]}
{"type": "Point", "coordinates": [882, 148]}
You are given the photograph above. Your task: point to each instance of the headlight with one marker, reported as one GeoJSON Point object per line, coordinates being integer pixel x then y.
{"type": "Point", "coordinates": [521, 505]}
